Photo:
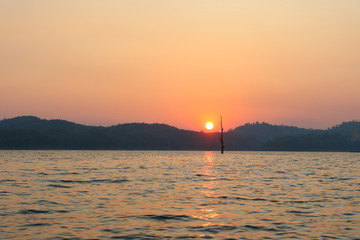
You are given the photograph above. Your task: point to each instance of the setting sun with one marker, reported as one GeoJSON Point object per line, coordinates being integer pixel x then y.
{"type": "Point", "coordinates": [209, 125]}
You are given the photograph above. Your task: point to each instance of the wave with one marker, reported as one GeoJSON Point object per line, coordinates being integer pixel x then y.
{"type": "Point", "coordinates": [33, 211]}
{"type": "Point", "coordinates": [91, 181]}
{"type": "Point", "coordinates": [166, 217]}
{"type": "Point", "coordinates": [213, 228]}
{"type": "Point", "coordinates": [58, 186]}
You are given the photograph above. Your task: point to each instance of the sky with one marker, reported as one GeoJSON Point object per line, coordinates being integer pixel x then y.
{"type": "Point", "coordinates": [181, 62]}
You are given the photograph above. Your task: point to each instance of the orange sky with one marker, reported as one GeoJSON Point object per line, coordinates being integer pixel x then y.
{"type": "Point", "coordinates": [181, 62]}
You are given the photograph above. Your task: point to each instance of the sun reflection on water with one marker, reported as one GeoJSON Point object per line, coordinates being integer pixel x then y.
{"type": "Point", "coordinates": [208, 190]}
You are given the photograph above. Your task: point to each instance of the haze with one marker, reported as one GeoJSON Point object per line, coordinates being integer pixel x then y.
{"type": "Point", "coordinates": [181, 62]}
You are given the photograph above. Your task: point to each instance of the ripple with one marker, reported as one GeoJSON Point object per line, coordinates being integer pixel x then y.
{"type": "Point", "coordinates": [37, 224]}
{"type": "Point", "coordinates": [248, 199]}
{"type": "Point", "coordinates": [33, 211]}
{"type": "Point", "coordinates": [213, 228]}
{"type": "Point", "coordinates": [110, 230]}
{"type": "Point", "coordinates": [197, 236]}
{"type": "Point", "coordinates": [91, 181]}
{"type": "Point", "coordinates": [201, 175]}
{"type": "Point", "coordinates": [252, 199]}
{"type": "Point", "coordinates": [299, 212]}
{"type": "Point", "coordinates": [42, 201]}
{"type": "Point", "coordinates": [262, 228]}
{"type": "Point", "coordinates": [140, 236]}
{"type": "Point", "coordinates": [58, 186]}
{"type": "Point", "coordinates": [42, 173]}
{"type": "Point", "coordinates": [7, 180]}
{"type": "Point", "coordinates": [166, 217]}
{"type": "Point", "coordinates": [326, 236]}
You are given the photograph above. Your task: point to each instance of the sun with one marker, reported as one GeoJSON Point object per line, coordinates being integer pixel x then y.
{"type": "Point", "coordinates": [209, 125]}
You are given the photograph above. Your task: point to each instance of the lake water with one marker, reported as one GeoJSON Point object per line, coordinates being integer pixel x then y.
{"type": "Point", "coordinates": [179, 195]}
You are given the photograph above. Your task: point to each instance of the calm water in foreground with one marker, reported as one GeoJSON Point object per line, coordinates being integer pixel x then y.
{"type": "Point", "coordinates": [179, 195]}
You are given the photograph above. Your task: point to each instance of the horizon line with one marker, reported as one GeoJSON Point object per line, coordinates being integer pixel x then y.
{"type": "Point", "coordinates": [161, 123]}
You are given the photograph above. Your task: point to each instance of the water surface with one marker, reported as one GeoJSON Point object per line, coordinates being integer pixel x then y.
{"type": "Point", "coordinates": [179, 195]}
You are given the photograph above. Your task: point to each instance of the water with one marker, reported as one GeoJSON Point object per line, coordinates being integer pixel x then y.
{"type": "Point", "coordinates": [179, 195]}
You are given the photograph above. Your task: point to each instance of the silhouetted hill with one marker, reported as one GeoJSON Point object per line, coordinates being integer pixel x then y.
{"type": "Point", "coordinates": [264, 131]}
{"type": "Point", "coordinates": [345, 128]}
{"type": "Point", "coordinates": [34, 133]}
{"type": "Point", "coordinates": [313, 142]}
{"type": "Point", "coordinates": [35, 123]}
{"type": "Point", "coordinates": [342, 137]}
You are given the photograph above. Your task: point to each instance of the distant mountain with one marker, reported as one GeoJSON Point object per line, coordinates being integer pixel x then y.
{"type": "Point", "coordinates": [31, 132]}
{"type": "Point", "coordinates": [34, 133]}
{"type": "Point", "coordinates": [264, 132]}
{"type": "Point", "coordinates": [342, 137]}
{"type": "Point", "coordinates": [35, 123]}
{"type": "Point", "coordinates": [345, 128]}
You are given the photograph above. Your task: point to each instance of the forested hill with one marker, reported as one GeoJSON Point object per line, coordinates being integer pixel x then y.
{"type": "Point", "coordinates": [264, 131]}
{"type": "Point", "coordinates": [34, 133]}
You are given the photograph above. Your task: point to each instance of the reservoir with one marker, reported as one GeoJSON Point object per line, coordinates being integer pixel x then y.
{"type": "Point", "coordinates": [179, 195]}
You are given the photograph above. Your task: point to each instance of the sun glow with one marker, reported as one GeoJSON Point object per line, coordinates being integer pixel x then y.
{"type": "Point", "coordinates": [209, 125]}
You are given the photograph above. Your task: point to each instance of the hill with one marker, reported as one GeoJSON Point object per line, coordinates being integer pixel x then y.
{"type": "Point", "coordinates": [31, 132]}
{"type": "Point", "coordinates": [264, 132]}
{"type": "Point", "coordinates": [342, 137]}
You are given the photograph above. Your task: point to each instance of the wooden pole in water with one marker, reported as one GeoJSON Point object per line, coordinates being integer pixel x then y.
{"type": "Point", "coordinates": [221, 136]}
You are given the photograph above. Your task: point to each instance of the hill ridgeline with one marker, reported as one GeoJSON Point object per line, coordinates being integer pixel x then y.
{"type": "Point", "coordinates": [29, 132]}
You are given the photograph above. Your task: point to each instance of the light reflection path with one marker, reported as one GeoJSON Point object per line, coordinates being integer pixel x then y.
{"type": "Point", "coordinates": [208, 190]}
